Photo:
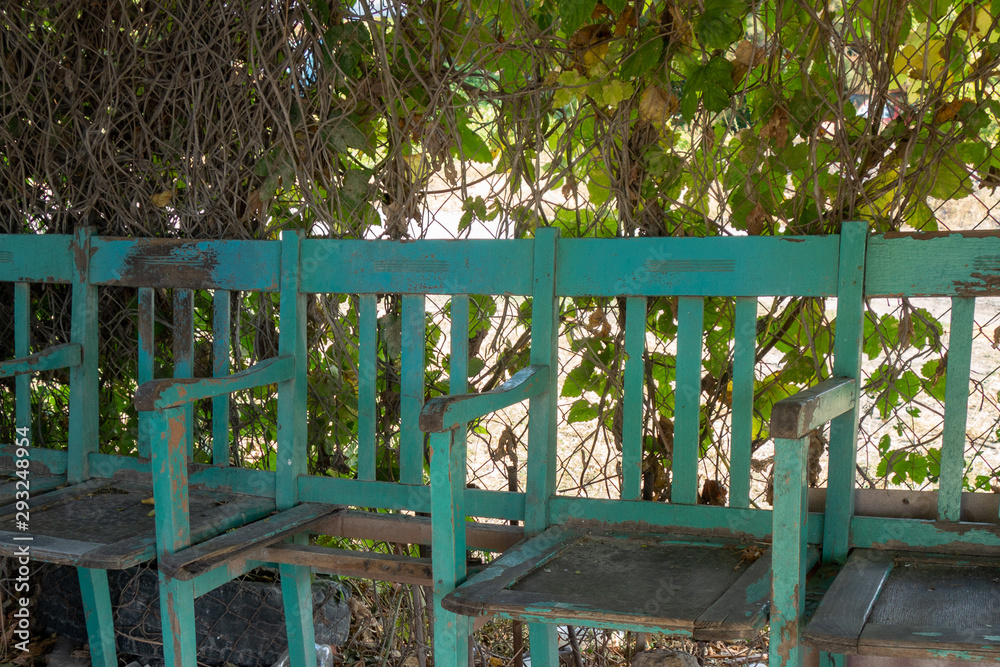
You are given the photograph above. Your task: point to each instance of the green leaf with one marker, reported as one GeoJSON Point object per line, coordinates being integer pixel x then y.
{"type": "Point", "coordinates": [473, 147]}
{"type": "Point", "coordinates": [721, 24]}
{"type": "Point", "coordinates": [574, 12]}
{"type": "Point", "coordinates": [643, 58]}
{"type": "Point", "coordinates": [581, 411]}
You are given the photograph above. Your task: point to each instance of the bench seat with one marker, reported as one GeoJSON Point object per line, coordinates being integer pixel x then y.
{"type": "Point", "coordinates": [712, 588]}
{"type": "Point", "coordinates": [103, 523]}
{"type": "Point", "coordinates": [911, 605]}
{"type": "Point", "coordinates": [39, 483]}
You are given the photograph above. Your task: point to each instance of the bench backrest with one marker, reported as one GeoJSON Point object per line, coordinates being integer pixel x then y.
{"type": "Point", "coordinates": [960, 267]}
{"type": "Point", "coordinates": [369, 273]}
{"type": "Point", "coordinates": [742, 270]}
{"type": "Point", "coordinates": [46, 260]}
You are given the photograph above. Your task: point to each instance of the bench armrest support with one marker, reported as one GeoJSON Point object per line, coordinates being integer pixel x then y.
{"type": "Point", "coordinates": [449, 412]}
{"type": "Point", "coordinates": [49, 359]}
{"type": "Point", "coordinates": [792, 418]}
{"type": "Point", "coordinates": [173, 392]}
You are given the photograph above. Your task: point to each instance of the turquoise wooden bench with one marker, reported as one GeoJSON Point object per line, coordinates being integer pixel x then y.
{"type": "Point", "coordinates": [676, 567]}
{"type": "Point", "coordinates": [318, 505]}
{"type": "Point", "coordinates": [904, 574]}
{"type": "Point", "coordinates": [98, 520]}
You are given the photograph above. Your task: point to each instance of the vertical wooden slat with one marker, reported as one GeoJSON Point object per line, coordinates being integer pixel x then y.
{"type": "Point", "coordinates": [635, 346]}
{"type": "Point", "coordinates": [367, 366]}
{"type": "Point", "coordinates": [543, 409]}
{"type": "Point", "coordinates": [98, 616]}
{"type": "Point", "coordinates": [541, 477]}
{"type": "Point", "coordinates": [147, 314]}
{"type": "Point", "coordinates": [744, 356]}
{"type": "Point", "coordinates": [847, 347]}
{"type": "Point", "coordinates": [83, 380]}
{"type": "Point", "coordinates": [22, 347]}
{"type": "Point", "coordinates": [687, 397]}
{"type": "Point", "coordinates": [788, 551]}
{"type": "Point", "coordinates": [459, 371]}
{"type": "Point", "coordinates": [292, 394]}
{"type": "Point", "coordinates": [184, 354]}
{"type": "Point", "coordinates": [221, 347]}
{"type": "Point", "coordinates": [448, 475]}
{"type": "Point", "coordinates": [956, 398]}
{"type": "Point", "coordinates": [411, 440]}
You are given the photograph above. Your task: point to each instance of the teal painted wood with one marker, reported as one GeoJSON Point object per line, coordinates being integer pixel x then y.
{"type": "Point", "coordinates": [847, 345]}
{"type": "Point", "coordinates": [172, 263]}
{"type": "Point", "coordinates": [180, 647]}
{"type": "Point", "coordinates": [36, 258]}
{"type": "Point", "coordinates": [687, 401]}
{"type": "Point", "coordinates": [635, 347]}
{"type": "Point", "coordinates": [54, 460]}
{"type": "Point", "coordinates": [58, 356]}
{"type": "Point", "coordinates": [421, 267]}
{"type": "Point", "coordinates": [543, 409]}
{"type": "Point", "coordinates": [367, 366]}
{"type": "Point", "coordinates": [752, 523]}
{"type": "Point", "coordinates": [170, 481]}
{"type": "Point", "coordinates": [788, 552]}
{"type": "Point", "coordinates": [445, 413]}
{"type": "Point", "coordinates": [458, 370]}
{"type": "Point", "coordinates": [172, 393]}
{"type": "Point", "coordinates": [184, 354]}
{"type": "Point", "coordinates": [22, 348]}
{"type": "Point", "coordinates": [956, 405]}
{"type": "Point", "coordinates": [411, 389]}
{"type": "Point", "coordinates": [296, 597]}
{"type": "Point", "coordinates": [448, 475]}
{"type": "Point", "coordinates": [389, 495]}
{"type": "Point", "coordinates": [83, 379]}
{"type": "Point", "coordinates": [545, 643]}
{"type": "Point", "coordinates": [938, 264]}
{"type": "Point", "coordinates": [943, 537]}
{"type": "Point", "coordinates": [147, 346]}
{"type": "Point", "coordinates": [794, 417]}
{"type": "Point", "coordinates": [741, 426]}
{"type": "Point", "coordinates": [293, 392]}
{"type": "Point", "coordinates": [458, 381]}
{"type": "Point", "coordinates": [221, 347]}
{"type": "Point", "coordinates": [106, 465]}
{"type": "Point", "coordinates": [240, 480]}
{"type": "Point", "coordinates": [98, 616]}
{"type": "Point", "coordinates": [797, 266]}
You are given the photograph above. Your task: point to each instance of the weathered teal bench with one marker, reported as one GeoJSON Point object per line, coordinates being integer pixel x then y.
{"type": "Point", "coordinates": [98, 521]}
{"type": "Point", "coordinates": [679, 567]}
{"type": "Point", "coordinates": [904, 574]}
{"type": "Point", "coordinates": [319, 505]}
{"type": "Point", "coordinates": [706, 582]}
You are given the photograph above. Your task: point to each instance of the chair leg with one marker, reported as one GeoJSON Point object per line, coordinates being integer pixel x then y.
{"type": "Point", "coordinates": [99, 616]}
{"type": "Point", "coordinates": [544, 649]}
{"type": "Point", "coordinates": [180, 645]}
{"type": "Point", "coordinates": [788, 551]}
{"type": "Point", "coordinates": [451, 637]}
{"type": "Point", "coordinates": [296, 595]}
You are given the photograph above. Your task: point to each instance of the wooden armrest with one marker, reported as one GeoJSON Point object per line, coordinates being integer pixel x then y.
{"type": "Point", "coordinates": [49, 359]}
{"type": "Point", "coordinates": [210, 554]}
{"type": "Point", "coordinates": [172, 392]}
{"type": "Point", "coordinates": [792, 418]}
{"type": "Point", "coordinates": [445, 413]}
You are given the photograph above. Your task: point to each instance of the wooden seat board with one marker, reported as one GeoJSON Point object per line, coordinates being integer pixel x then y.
{"type": "Point", "coordinates": [37, 484]}
{"type": "Point", "coordinates": [623, 580]}
{"type": "Point", "coordinates": [103, 523]}
{"type": "Point", "coordinates": [910, 605]}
